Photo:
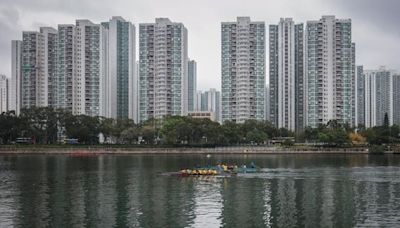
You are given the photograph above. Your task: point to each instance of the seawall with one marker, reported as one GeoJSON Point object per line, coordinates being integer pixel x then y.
{"type": "Point", "coordinates": [217, 150]}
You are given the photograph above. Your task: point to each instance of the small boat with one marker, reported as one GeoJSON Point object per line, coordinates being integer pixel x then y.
{"type": "Point", "coordinates": [219, 170]}
{"type": "Point", "coordinates": [200, 172]}
{"type": "Point", "coordinates": [244, 169]}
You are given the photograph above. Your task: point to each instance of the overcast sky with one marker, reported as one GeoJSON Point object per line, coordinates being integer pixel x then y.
{"type": "Point", "coordinates": [376, 27]}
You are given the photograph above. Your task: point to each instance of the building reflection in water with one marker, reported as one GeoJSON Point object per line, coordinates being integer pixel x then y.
{"type": "Point", "coordinates": [128, 191]}
{"type": "Point", "coordinates": [9, 192]}
{"type": "Point", "coordinates": [207, 202]}
{"type": "Point", "coordinates": [267, 205]}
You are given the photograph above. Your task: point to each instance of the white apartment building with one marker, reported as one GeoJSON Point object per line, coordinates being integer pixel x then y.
{"type": "Point", "coordinates": [81, 67]}
{"type": "Point", "coordinates": [192, 85]}
{"type": "Point", "coordinates": [3, 93]}
{"type": "Point", "coordinates": [163, 69]}
{"type": "Point", "coordinates": [380, 91]}
{"type": "Point", "coordinates": [38, 67]}
{"type": "Point", "coordinates": [243, 70]}
{"type": "Point", "coordinates": [330, 71]}
{"type": "Point", "coordinates": [89, 73]}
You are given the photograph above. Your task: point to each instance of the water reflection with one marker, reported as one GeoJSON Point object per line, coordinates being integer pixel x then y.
{"type": "Point", "coordinates": [207, 202]}
{"type": "Point", "coordinates": [127, 191]}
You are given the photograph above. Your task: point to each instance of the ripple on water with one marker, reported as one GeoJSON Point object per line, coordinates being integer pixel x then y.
{"type": "Point", "coordinates": [126, 191]}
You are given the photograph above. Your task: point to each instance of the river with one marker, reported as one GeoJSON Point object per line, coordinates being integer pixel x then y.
{"type": "Point", "coordinates": [129, 191]}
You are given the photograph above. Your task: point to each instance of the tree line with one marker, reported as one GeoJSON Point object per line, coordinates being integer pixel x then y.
{"type": "Point", "coordinates": [45, 125]}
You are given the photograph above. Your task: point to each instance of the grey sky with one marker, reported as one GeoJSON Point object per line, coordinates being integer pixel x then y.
{"type": "Point", "coordinates": [376, 29]}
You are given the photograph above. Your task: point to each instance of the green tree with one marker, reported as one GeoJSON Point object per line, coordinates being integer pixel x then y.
{"type": "Point", "coordinates": [256, 136]}
{"type": "Point", "coordinates": [41, 124]}
{"type": "Point", "coordinates": [130, 135]}
{"type": "Point", "coordinates": [84, 128]}
{"type": "Point", "coordinates": [10, 127]}
{"type": "Point", "coordinates": [231, 134]}
{"type": "Point", "coordinates": [108, 128]}
{"type": "Point", "coordinates": [386, 121]}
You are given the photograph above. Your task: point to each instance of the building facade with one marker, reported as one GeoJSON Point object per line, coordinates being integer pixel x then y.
{"type": "Point", "coordinates": [330, 83]}
{"type": "Point", "coordinates": [3, 93]}
{"type": "Point", "coordinates": [286, 45]}
{"type": "Point", "coordinates": [243, 70]}
{"type": "Point", "coordinates": [198, 99]}
{"type": "Point", "coordinates": [50, 36]}
{"type": "Point", "coordinates": [396, 99]}
{"type": "Point", "coordinates": [267, 103]}
{"type": "Point", "coordinates": [81, 59]}
{"type": "Point", "coordinates": [38, 67]}
{"type": "Point", "coordinates": [89, 73]}
{"type": "Point", "coordinates": [15, 83]}
{"type": "Point", "coordinates": [163, 69]}
{"type": "Point", "coordinates": [66, 66]}
{"type": "Point", "coordinates": [360, 97]}
{"type": "Point", "coordinates": [209, 101]}
{"type": "Point", "coordinates": [213, 103]}
{"type": "Point", "coordinates": [202, 115]}
{"type": "Point", "coordinates": [192, 84]}
{"type": "Point", "coordinates": [379, 97]}
{"type": "Point", "coordinates": [354, 85]}
{"type": "Point", "coordinates": [120, 87]}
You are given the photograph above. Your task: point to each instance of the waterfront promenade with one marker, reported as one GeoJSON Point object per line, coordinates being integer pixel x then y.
{"type": "Point", "coordinates": [195, 150]}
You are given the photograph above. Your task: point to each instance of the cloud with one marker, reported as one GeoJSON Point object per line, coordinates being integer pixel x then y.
{"type": "Point", "coordinates": [375, 23]}
{"type": "Point", "coordinates": [9, 27]}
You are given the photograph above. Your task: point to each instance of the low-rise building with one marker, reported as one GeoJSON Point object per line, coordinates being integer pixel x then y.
{"type": "Point", "coordinates": [202, 115]}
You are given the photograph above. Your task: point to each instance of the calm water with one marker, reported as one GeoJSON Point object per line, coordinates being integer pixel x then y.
{"type": "Point", "coordinates": [128, 191]}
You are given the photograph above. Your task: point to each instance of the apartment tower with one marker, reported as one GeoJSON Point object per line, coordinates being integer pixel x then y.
{"type": "Point", "coordinates": [38, 67]}
{"type": "Point", "coordinates": [243, 70]}
{"type": "Point", "coordinates": [163, 69]}
{"type": "Point", "coordinates": [14, 103]}
{"type": "Point", "coordinates": [330, 73]}
{"type": "Point", "coordinates": [120, 80]}
{"type": "Point", "coordinates": [192, 84]}
{"type": "Point", "coordinates": [286, 75]}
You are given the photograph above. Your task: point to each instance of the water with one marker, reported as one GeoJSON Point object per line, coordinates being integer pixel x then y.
{"type": "Point", "coordinates": [128, 191]}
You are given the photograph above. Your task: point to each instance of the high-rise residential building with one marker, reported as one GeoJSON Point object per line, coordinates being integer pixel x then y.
{"type": "Point", "coordinates": [192, 84]}
{"type": "Point", "coordinates": [267, 103]}
{"type": "Point", "coordinates": [120, 85]}
{"type": "Point", "coordinates": [354, 85]}
{"type": "Point", "coordinates": [31, 73]}
{"type": "Point", "coordinates": [384, 96]}
{"type": "Point", "coordinates": [3, 93]}
{"type": "Point", "coordinates": [243, 70]}
{"type": "Point", "coordinates": [329, 69]}
{"type": "Point", "coordinates": [80, 75]}
{"type": "Point", "coordinates": [396, 99]}
{"type": "Point", "coordinates": [15, 84]}
{"type": "Point", "coordinates": [39, 50]}
{"type": "Point", "coordinates": [286, 45]}
{"type": "Point", "coordinates": [89, 73]}
{"type": "Point", "coordinates": [369, 101]}
{"type": "Point", "coordinates": [163, 69]}
{"type": "Point", "coordinates": [378, 97]}
{"type": "Point", "coordinates": [360, 97]}
{"type": "Point", "coordinates": [66, 66]}
{"type": "Point", "coordinates": [50, 36]}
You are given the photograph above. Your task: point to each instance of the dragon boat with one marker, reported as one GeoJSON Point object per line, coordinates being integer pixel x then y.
{"type": "Point", "coordinates": [218, 170]}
